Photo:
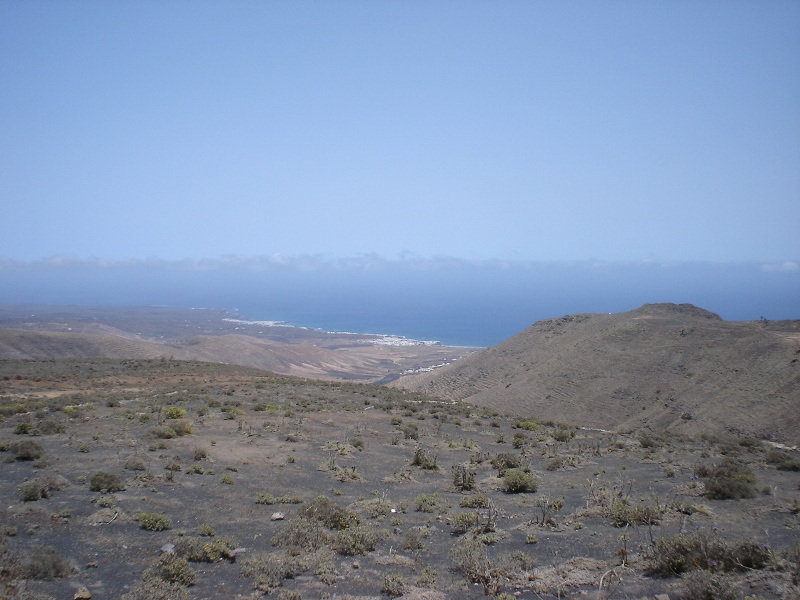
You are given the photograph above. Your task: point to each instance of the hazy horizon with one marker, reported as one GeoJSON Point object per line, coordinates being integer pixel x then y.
{"type": "Point", "coordinates": [458, 302]}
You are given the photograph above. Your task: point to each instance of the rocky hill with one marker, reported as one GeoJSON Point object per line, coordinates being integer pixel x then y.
{"type": "Point", "coordinates": [662, 366]}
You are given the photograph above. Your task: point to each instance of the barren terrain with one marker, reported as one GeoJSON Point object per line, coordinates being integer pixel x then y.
{"type": "Point", "coordinates": [662, 367]}
{"type": "Point", "coordinates": [170, 479]}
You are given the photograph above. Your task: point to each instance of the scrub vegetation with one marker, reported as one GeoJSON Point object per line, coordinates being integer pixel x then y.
{"type": "Point", "coordinates": [297, 488]}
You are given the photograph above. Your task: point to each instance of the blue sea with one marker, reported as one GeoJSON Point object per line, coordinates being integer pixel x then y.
{"type": "Point", "coordinates": [454, 302]}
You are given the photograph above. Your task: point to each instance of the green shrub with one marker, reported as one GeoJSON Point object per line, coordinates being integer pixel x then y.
{"type": "Point", "coordinates": [26, 449]}
{"type": "Point", "coordinates": [269, 570]}
{"type": "Point", "coordinates": [105, 482]}
{"type": "Point", "coordinates": [423, 459]}
{"type": "Point", "coordinates": [517, 481]}
{"type": "Point", "coordinates": [464, 521]}
{"type": "Point", "coordinates": [203, 549]}
{"type": "Point", "coordinates": [527, 425]}
{"type": "Point", "coordinates": [358, 539]}
{"type": "Point", "coordinates": [504, 461]}
{"type": "Point", "coordinates": [463, 479]}
{"type": "Point", "coordinates": [227, 480]}
{"type": "Point", "coordinates": [23, 428]}
{"type": "Point", "coordinates": [357, 443]}
{"type": "Point", "coordinates": [429, 503]}
{"type": "Point", "coordinates": [393, 584]}
{"type": "Point", "coordinates": [206, 530]}
{"type": "Point", "coordinates": [265, 498]}
{"type": "Point", "coordinates": [32, 490]}
{"type": "Point", "coordinates": [410, 432]}
{"type": "Point", "coordinates": [475, 501]}
{"type": "Point", "coordinates": [563, 434]}
{"type": "Point", "coordinates": [164, 433]}
{"type": "Point", "coordinates": [172, 568]}
{"type": "Point", "coordinates": [730, 480]}
{"type": "Point", "coordinates": [135, 463]}
{"type": "Point", "coordinates": [49, 427]}
{"type": "Point", "coordinates": [623, 513]}
{"type": "Point", "coordinates": [153, 521]}
{"type": "Point", "coordinates": [174, 412]}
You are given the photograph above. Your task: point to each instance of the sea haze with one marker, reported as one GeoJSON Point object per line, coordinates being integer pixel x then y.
{"type": "Point", "coordinates": [455, 302]}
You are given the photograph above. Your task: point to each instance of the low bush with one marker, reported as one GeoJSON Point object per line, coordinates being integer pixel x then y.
{"type": "Point", "coordinates": [301, 535]}
{"type": "Point", "coordinates": [203, 549]}
{"type": "Point", "coordinates": [474, 501]}
{"type": "Point", "coordinates": [153, 521]}
{"type": "Point", "coordinates": [464, 521]}
{"type": "Point", "coordinates": [172, 568]}
{"type": "Point", "coordinates": [182, 428]}
{"type": "Point", "coordinates": [32, 490]}
{"type": "Point", "coordinates": [26, 449]}
{"type": "Point", "coordinates": [516, 481]}
{"type": "Point", "coordinates": [325, 511]}
{"type": "Point", "coordinates": [45, 563]}
{"type": "Point", "coordinates": [155, 588]}
{"type": "Point", "coordinates": [358, 539]}
{"type": "Point", "coordinates": [429, 503]}
{"type": "Point", "coordinates": [264, 498]}
{"type": "Point", "coordinates": [269, 570]}
{"type": "Point", "coordinates": [105, 482]}
{"type": "Point", "coordinates": [23, 428]}
{"type": "Point", "coordinates": [424, 460]}
{"type": "Point", "coordinates": [174, 412]}
{"type": "Point", "coordinates": [730, 480]}
{"type": "Point", "coordinates": [702, 585]}
{"type": "Point", "coordinates": [686, 552]}
{"type": "Point", "coordinates": [463, 480]}
{"type": "Point", "coordinates": [504, 461]}
{"type": "Point", "coordinates": [135, 463]}
{"type": "Point", "coordinates": [164, 433]}
{"type": "Point", "coordinates": [783, 461]}
{"type": "Point", "coordinates": [393, 584]}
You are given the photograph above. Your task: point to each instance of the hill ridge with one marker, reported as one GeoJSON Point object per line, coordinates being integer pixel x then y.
{"type": "Point", "coordinates": [660, 366]}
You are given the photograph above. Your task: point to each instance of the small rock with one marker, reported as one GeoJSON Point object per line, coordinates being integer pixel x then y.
{"type": "Point", "coordinates": [662, 597]}
{"type": "Point", "coordinates": [91, 565]}
{"type": "Point", "coordinates": [356, 564]}
{"type": "Point", "coordinates": [168, 548]}
{"type": "Point", "coordinates": [278, 516]}
{"type": "Point", "coordinates": [82, 594]}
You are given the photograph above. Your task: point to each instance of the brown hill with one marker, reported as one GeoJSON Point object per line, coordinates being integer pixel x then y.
{"type": "Point", "coordinates": [346, 359]}
{"type": "Point", "coordinates": [662, 366]}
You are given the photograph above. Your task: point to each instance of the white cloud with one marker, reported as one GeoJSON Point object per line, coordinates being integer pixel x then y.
{"type": "Point", "coordinates": [788, 266]}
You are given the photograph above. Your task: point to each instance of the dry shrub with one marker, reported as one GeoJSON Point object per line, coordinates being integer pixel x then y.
{"type": "Point", "coordinates": [686, 552]}
{"type": "Point", "coordinates": [26, 449]}
{"type": "Point", "coordinates": [202, 549]}
{"type": "Point", "coordinates": [325, 511]}
{"type": "Point", "coordinates": [730, 480]}
{"type": "Point", "coordinates": [702, 585]}
{"type": "Point", "coordinates": [269, 570]}
{"type": "Point", "coordinates": [44, 563]}
{"type": "Point", "coordinates": [157, 589]}
{"type": "Point", "coordinates": [105, 482]}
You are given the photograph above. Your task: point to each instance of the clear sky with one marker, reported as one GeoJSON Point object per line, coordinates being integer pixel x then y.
{"type": "Point", "coordinates": [477, 130]}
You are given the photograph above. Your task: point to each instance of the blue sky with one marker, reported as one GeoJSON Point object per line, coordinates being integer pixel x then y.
{"type": "Point", "coordinates": [619, 131]}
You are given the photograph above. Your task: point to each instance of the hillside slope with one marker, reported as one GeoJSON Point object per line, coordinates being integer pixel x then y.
{"type": "Point", "coordinates": [662, 366]}
{"type": "Point", "coordinates": [368, 362]}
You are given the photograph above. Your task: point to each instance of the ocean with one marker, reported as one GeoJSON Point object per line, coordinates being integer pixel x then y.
{"type": "Point", "coordinates": [456, 303]}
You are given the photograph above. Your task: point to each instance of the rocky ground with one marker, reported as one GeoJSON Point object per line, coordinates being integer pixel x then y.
{"type": "Point", "coordinates": [167, 479]}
